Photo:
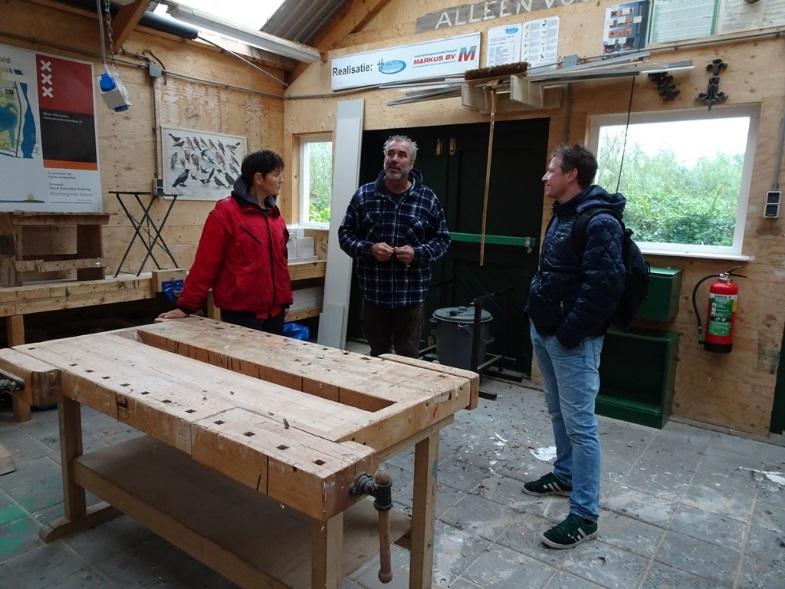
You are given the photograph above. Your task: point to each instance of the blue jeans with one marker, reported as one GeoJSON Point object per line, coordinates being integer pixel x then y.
{"type": "Point", "coordinates": [571, 381]}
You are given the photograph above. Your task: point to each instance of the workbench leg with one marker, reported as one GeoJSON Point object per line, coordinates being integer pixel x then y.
{"type": "Point", "coordinates": [15, 330]}
{"type": "Point", "coordinates": [327, 553]}
{"type": "Point", "coordinates": [15, 336]}
{"type": "Point", "coordinates": [426, 463]}
{"type": "Point", "coordinates": [77, 516]}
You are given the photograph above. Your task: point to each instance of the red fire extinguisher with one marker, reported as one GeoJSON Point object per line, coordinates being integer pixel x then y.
{"type": "Point", "coordinates": [721, 314]}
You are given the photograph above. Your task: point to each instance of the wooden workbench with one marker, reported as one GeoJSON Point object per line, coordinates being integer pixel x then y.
{"type": "Point", "coordinates": [252, 443]}
{"type": "Point", "coordinates": [16, 302]}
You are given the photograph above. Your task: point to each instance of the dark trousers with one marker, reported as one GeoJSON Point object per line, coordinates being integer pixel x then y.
{"type": "Point", "coordinates": [386, 329]}
{"type": "Point", "coordinates": [270, 325]}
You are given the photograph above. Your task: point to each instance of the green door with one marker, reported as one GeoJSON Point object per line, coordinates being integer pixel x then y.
{"type": "Point", "coordinates": [452, 160]}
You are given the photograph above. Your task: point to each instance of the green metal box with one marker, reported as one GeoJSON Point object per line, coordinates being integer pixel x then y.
{"type": "Point", "coordinates": [637, 374]}
{"type": "Point", "coordinates": [662, 302]}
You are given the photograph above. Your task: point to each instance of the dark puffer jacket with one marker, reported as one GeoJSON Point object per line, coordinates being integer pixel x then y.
{"type": "Point", "coordinates": [570, 297]}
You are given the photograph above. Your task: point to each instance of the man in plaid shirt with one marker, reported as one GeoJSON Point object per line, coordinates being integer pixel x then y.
{"type": "Point", "coordinates": [395, 229]}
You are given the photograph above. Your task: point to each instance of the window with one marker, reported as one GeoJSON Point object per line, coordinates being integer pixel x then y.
{"type": "Point", "coordinates": [685, 175]}
{"type": "Point", "coordinates": [316, 179]}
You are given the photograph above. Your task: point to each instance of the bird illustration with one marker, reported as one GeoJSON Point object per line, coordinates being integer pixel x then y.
{"type": "Point", "coordinates": [174, 138]}
{"type": "Point", "coordinates": [234, 169]}
{"type": "Point", "coordinates": [189, 143]}
{"type": "Point", "coordinates": [173, 161]}
{"type": "Point", "coordinates": [220, 158]}
{"type": "Point", "coordinates": [219, 183]}
{"type": "Point", "coordinates": [229, 178]}
{"type": "Point", "coordinates": [202, 142]}
{"type": "Point", "coordinates": [234, 159]}
{"type": "Point", "coordinates": [206, 180]}
{"type": "Point", "coordinates": [180, 181]}
{"type": "Point", "coordinates": [221, 147]}
{"type": "Point", "coordinates": [210, 141]}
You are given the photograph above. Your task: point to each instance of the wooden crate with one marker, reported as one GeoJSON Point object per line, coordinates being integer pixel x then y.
{"type": "Point", "coordinates": [50, 246]}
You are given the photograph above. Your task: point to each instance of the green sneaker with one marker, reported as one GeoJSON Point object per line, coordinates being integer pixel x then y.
{"type": "Point", "coordinates": [569, 533]}
{"type": "Point", "coordinates": [547, 485]}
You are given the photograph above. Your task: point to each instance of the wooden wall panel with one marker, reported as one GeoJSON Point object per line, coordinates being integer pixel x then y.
{"type": "Point", "coordinates": [734, 390]}
{"type": "Point", "coordinates": [242, 101]}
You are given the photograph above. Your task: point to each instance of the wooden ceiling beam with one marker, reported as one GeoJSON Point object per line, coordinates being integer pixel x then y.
{"type": "Point", "coordinates": [125, 21]}
{"type": "Point", "coordinates": [350, 18]}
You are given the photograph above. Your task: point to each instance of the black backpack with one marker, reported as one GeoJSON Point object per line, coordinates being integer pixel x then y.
{"type": "Point", "coordinates": [637, 273]}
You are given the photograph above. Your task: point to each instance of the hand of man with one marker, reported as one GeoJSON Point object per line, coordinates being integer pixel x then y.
{"type": "Point", "coordinates": [382, 252]}
{"type": "Point", "coordinates": [404, 254]}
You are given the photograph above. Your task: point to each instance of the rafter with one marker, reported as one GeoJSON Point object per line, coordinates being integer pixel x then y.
{"type": "Point", "coordinates": [350, 18]}
{"type": "Point", "coordinates": [126, 20]}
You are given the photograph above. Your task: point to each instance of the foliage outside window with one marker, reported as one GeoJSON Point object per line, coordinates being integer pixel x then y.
{"type": "Point", "coordinates": [685, 176]}
{"type": "Point", "coordinates": [316, 179]}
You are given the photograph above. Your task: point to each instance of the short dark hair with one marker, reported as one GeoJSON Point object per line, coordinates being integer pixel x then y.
{"type": "Point", "coordinates": [577, 157]}
{"type": "Point", "coordinates": [264, 161]}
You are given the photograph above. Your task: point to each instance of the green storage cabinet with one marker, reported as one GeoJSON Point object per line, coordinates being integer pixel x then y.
{"type": "Point", "coordinates": [662, 302]}
{"type": "Point", "coordinates": [637, 373]}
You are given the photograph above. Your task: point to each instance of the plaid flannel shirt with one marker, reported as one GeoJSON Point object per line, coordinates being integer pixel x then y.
{"type": "Point", "coordinates": [417, 219]}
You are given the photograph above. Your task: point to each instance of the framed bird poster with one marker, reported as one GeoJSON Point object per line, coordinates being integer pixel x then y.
{"type": "Point", "coordinates": [198, 165]}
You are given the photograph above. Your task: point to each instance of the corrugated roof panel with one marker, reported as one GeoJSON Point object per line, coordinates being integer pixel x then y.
{"type": "Point", "coordinates": [300, 20]}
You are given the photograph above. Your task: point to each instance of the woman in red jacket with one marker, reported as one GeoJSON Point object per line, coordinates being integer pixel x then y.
{"type": "Point", "coordinates": [242, 252]}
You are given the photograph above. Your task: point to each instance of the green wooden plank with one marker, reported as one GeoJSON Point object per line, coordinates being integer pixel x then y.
{"type": "Point", "coordinates": [527, 242]}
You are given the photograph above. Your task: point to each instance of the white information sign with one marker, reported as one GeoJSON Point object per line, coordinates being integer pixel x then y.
{"type": "Point", "coordinates": [504, 45]}
{"type": "Point", "coordinates": [434, 59]}
{"type": "Point", "coordinates": [739, 15]}
{"type": "Point", "coordinates": [48, 144]}
{"type": "Point", "coordinates": [675, 20]}
{"type": "Point", "coordinates": [540, 42]}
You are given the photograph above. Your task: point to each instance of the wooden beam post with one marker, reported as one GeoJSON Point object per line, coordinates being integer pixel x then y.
{"type": "Point", "coordinates": [327, 553]}
{"type": "Point", "coordinates": [426, 454]}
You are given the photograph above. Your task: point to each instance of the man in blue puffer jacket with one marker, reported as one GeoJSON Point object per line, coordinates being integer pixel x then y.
{"type": "Point", "coordinates": [572, 297]}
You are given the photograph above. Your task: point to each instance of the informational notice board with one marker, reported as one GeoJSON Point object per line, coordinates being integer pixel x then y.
{"type": "Point", "coordinates": [48, 143]}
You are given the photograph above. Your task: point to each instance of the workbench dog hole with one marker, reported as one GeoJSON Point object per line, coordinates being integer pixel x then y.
{"type": "Point", "coordinates": [190, 410]}
{"type": "Point", "coordinates": [249, 434]}
{"type": "Point", "coordinates": [145, 392]}
{"type": "Point", "coordinates": [319, 462]}
{"type": "Point", "coordinates": [283, 447]}
{"type": "Point", "coordinates": [166, 401]}
{"type": "Point", "coordinates": [219, 422]}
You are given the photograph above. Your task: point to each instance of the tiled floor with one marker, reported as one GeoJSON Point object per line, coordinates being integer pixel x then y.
{"type": "Point", "coordinates": [682, 507]}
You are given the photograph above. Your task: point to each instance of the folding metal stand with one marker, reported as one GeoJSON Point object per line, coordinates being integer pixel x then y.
{"type": "Point", "coordinates": [145, 228]}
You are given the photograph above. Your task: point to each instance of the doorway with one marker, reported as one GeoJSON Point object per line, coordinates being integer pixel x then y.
{"type": "Point", "coordinates": [452, 159]}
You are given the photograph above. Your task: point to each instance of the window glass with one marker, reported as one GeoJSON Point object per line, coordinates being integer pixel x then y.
{"type": "Point", "coordinates": [685, 179]}
{"type": "Point", "coordinates": [316, 178]}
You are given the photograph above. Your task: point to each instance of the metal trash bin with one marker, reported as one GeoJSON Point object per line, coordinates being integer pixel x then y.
{"type": "Point", "coordinates": [453, 328]}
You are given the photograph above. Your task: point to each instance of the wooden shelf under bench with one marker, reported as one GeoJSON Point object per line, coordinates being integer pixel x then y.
{"type": "Point", "coordinates": [233, 529]}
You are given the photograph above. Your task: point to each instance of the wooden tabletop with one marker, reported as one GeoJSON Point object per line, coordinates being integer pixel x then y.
{"type": "Point", "coordinates": [290, 419]}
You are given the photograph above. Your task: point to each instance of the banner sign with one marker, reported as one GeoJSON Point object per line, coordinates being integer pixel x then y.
{"type": "Point", "coordinates": [469, 14]}
{"type": "Point", "coordinates": [48, 144]}
{"type": "Point", "coordinates": [434, 59]}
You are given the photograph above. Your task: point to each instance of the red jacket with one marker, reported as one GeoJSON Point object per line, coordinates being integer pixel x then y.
{"type": "Point", "coordinates": [242, 257]}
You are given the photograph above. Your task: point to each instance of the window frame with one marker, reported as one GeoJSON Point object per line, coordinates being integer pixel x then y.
{"type": "Point", "coordinates": [304, 180]}
{"type": "Point", "coordinates": [752, 111]}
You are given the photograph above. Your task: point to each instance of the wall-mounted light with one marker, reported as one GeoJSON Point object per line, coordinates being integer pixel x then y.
{"type": "Point", "coordinates": [257, 39]}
